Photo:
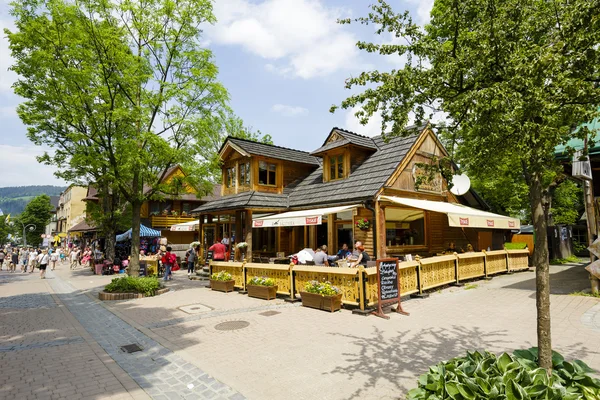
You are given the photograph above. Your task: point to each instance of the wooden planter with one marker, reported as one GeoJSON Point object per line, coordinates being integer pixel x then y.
{"type": "Point", "coordinates": [329, 303]}
{"type": "Point", "coordinates": [222, 286]}
{"type": "Point", "coordinates": [262, 292]}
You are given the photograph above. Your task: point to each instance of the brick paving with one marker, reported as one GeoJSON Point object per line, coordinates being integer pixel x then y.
{"type": "Point", "coordinates": [293, 352]}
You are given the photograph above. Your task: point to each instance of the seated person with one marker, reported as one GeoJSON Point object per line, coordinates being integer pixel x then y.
{"type": "Point", "coordinates": [320, 257]}
{"type": "Point", "coordinates": [451, 248]}
{"type": "Point", "coordinates": [363, 257]}
{"type": "Point", "coordinates": [470, 248]}
{"type": "Point", "coordinates": [344, 252]}
{"type": "Point", "coordinates": [305, 255]}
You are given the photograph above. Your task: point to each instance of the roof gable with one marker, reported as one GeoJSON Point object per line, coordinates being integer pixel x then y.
{"type": "Point", "coordinates": [340, 137]}
{"type": "Point", "coordinates": [249, 147]}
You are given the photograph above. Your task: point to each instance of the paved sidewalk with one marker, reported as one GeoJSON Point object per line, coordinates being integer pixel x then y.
{"type": "Point", "coordinates": [58, 341]}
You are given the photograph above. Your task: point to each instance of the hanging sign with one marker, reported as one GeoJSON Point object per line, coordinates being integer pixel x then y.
{"type": "Point", "coordinates": [388, 286]}
{"type": "Point", "coordinates": [582, 168]}
{"type": "Point", "coordinates": [209, 257]}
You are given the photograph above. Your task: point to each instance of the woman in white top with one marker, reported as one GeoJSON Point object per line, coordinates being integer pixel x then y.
{"type": "Point", "coordinates": [53, 260]}
{"type": "Point", "coordinates": [32, 259]}
{"type": "Point", "coordinates": [43, 259]}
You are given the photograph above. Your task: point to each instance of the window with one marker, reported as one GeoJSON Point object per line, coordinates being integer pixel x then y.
{"type": "Point", "coordinates": [230, 177]}
{"type": "Point", "coordinates": [404, 227]}
{"type": "Point", "coordinates": [266, 173]}
{"type": "Point", "coordinates": [336, 167]}
{"type": "Point", "coordinates": [186, 208]}
{"type": "Point", "coordinates": [244, 175]}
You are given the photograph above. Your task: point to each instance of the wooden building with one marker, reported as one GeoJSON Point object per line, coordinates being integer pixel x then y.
{"type": "Point", "coordinates": [282, 200]}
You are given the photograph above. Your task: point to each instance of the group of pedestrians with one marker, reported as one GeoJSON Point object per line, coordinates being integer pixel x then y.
{"type": "Point", "coordinates": [29, 258]}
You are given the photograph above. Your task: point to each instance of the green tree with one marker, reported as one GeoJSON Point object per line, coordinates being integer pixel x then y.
{"type": "Point", "coordinates": [117, 88]}
{"type": "Point", "coordinates": [6, 228]}
{"type": "Point", "coordinates": [514, 77]}
{"type": "Point", "coordinates": [37, 212]}
{"type": "Point", "coordinates": [567, 203]}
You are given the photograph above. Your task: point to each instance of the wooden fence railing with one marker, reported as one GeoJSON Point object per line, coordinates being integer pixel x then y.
{"type": "Point", "coordinates": [359, 285]}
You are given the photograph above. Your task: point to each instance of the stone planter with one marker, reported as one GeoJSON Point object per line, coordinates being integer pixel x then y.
{"type": "Point", "coordinates": [262, 292]}
{"type": "Point", "coordinates": [127, 296]}
{"type": "Point", "coordinates": [329, 303]}
{"type": "Point", "coordinates": [222, 286]}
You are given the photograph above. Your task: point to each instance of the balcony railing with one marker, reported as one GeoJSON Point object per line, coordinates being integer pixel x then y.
{"type": "Point", "coordinates": [166, 221]}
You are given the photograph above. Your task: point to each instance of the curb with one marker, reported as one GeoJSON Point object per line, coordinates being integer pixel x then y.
{"type": "Point", "coordinates": [105, 296]}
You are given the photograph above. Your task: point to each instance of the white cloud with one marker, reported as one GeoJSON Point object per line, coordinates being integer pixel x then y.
{"type": "Point", "coordinates": [372, 128]}
{"type": "Point", "coordinates": [289, 111]}
{"type": "Point", "coordinates": [20, 168]}
{"type": "Point", "coordinates": [300, 38]}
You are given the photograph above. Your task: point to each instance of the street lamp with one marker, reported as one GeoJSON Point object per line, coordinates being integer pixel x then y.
{"type": "Point", "coordinates": [31, 229]}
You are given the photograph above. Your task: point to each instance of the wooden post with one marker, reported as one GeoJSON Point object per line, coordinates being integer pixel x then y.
{"type": "Point", "coordinates": [291, 275]}
{"type": "Point", "coordinates": [381, 250]}
{"type": "Point", "coordinates": [331, 242]}
{"type": "Point", "coordinates": [249, 234]}
{"type": "Point", "coordinates": [312, 237]}
{"type": "Point", "coordinates": [361, 287]}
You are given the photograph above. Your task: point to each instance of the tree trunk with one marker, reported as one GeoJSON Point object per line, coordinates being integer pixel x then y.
{"type": "Point", "coordinates": [542, 271]}
{"type": "Point", "coordinates": [591, 226]}
{"type": "Point", "coordinates": [134, 262]}
{"type": "Point", "coordinates": [108, 207]}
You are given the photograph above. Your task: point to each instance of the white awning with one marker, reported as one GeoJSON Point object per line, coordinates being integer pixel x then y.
{"type": "Point", "coordinates": [459, 215]}
{"type": "Point", "coordinates": [186, 226]}
{"type": "Point", "coordinates": [298, 218]}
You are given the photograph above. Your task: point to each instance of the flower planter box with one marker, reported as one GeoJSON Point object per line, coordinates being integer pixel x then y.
{"type": "Point", "coordinates": [262, 292]}
{"type": "Point", "coordinates": [329, 303]}
{"type": "Point", "coordinates": [222, 286]}
{"type": "Point", "coordinates": [126, 296]}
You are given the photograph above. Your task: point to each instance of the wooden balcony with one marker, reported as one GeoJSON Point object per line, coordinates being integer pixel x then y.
{"type": "Point", "coordinates": [166, 221]}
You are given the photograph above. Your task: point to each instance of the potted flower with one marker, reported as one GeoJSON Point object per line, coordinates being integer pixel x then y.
{"type": "Point", "coordinates": [174, 213]}
{"type": "Point", "coordinates": [262, 288]}
{"type": "Point", "coordinates": [363, 224]}
{"type": "Point", "coordinates": [184, 214]}
{"type": "Point", "coordinates": [154, 213]}
{"type": "Point", "coordinates": [222, 282]}
{"type": "Point", "coordinates": [321, 295]}
{"type": "Point", "coordinates": [165, 212]}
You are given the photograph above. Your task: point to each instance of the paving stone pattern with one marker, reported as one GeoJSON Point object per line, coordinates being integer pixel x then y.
{"type": "Point", "coordinates": [26, 301]}
{"type": "Point", "coordinates": [156, 369]}
{"type": "Point", "coordinates": [52, 343]}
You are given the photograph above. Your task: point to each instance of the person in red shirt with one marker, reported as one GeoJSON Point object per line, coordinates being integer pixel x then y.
{"type": "Point", "coordinates": [218, 250]}
{"type": "Point", "coordinates": [168, 260]}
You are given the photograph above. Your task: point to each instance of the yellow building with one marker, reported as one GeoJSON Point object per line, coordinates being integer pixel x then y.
{"type": "Point", "coordinates": [71, 209]}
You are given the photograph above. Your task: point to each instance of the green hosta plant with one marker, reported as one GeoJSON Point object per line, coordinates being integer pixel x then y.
{"type": "Point", "coordinates": [221, 276]}
{"type": "Point", "coordinates": [323, 288]}
{"type": "Point", "coordinates": [262, 281]}
{"type": "Point", "coordinates": [129, 284]}
{"type": "Point", "coordinates": [517, 377]}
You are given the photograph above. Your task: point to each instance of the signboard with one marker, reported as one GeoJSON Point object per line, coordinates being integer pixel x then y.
{"type": "Point", "coordinates": [232, 255]}
{"type": "Point", "coordinates": [582, 168]}
{"type": "Point", "coordinates": [295, 221]}
{"type": "Point", "coordinates": [209, 256]}
{"type": "Point", "coordinates": [428, 183]}
{"type": "Point", "coordinates": [388, 286]}
{"type": "Point", "coordinates": [143, 268]}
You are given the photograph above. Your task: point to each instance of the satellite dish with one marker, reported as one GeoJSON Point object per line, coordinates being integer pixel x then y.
{"type": "Point", "coordinates": [460, 184]}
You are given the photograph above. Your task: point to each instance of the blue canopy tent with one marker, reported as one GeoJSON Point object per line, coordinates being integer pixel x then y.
{"type": "Point", "coordinates": [144, 232]}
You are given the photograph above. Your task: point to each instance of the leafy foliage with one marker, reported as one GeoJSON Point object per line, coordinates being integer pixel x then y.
{"type": "Point", "coordinates": [38, 212]}
{"type": "Point", "coordinates": [516, 377]}
{"type": "Point", "coordinates": [261, 281]}
{"type": "Point", "coordinates": [515, 246]}
{"type": "Point", "coordinates": [129, 284]}
{"type": "Point", "coordinates": [324, 288]}
{"type": "Point", "coordinates": [221, 276]}
{"type": "Point", "coordinates": [567, 203]}
{"type": "Point", "coordinates": [561, 261]}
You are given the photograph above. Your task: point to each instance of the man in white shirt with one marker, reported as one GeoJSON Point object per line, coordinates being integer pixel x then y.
{"type": "Point", "coordinates": [32, 259]}
{"type": "Point", "coordinates": [74, 257]}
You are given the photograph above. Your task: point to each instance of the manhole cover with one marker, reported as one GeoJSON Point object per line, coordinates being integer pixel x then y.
{"type": "Point", "coordinates": [195, 308]}
{"type": "Point", "coordinates": [232, 325]}
{"type": "Point", "coordinates": [131, 348]}
{"type": "Point", "coordinates": [269, 313]}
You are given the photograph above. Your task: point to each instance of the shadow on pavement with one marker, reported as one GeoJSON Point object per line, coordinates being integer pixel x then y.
{"type": "Point", "coordinates": [564, 279]}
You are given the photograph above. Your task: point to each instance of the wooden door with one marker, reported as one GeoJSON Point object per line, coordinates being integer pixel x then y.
{"type": "Point", "coordinates": [485, 240]}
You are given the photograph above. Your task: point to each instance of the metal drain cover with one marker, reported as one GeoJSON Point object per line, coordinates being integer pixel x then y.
{"type": "Point", "coordinates": [195, 309]}
{"type": "Point", "coordinates": [231, 325]}
{"type": "Point", "coordinates": [131, 348]}
{"type": "Point", "coordinates": [269, 313]}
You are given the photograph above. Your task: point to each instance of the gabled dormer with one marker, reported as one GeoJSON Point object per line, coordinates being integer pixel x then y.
{"type": "Point", "coordinates": [342, 152]}
{"type": "Point", "coordinates": [249, 165]}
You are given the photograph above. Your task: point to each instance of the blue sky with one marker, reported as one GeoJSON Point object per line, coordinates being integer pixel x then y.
{"type": "Point", "coordinates": [284, 63]}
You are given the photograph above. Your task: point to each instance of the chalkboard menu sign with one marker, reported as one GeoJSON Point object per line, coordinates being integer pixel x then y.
{"type": "Point", "coordinates": [232, 255]}
{"type": "Point", "coordinates": [387, 276]}
{"type": "Point", "coordinates": [388, 284]}
{"type": "Point", "coordinates": [143, 268]}
{"type": "Point", "coordinates": [209, 256]}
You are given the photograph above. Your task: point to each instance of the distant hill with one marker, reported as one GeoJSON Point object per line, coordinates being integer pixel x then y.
{"type": "Point", "coordinates": [14, 199]}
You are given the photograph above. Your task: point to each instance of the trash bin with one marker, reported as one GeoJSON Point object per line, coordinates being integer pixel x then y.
{"type": "Point", "coordinates": [98, 269]}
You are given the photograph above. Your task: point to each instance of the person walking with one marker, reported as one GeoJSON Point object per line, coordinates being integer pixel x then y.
{"type": "Point", "coordinates": [168, 261]}
{"type": "Point", "coordinates": [53, 260]}
{"type": "Point", "coordinates": [2, 257]}
{"type": "Point", "coordinates": [74, 257]}
{"type": "Point", "coordinates": [191, 259]}
{"type": "Point", "coordinates": [33, 254]}
{"type": "Point", "coordinates": [24, 255]}
{"type": "Point", "coordinates": [14, 260]}
{"type": "Point", "coordinates": [43, 260]}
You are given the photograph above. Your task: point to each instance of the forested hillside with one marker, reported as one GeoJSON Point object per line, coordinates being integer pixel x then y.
{"type": "Point", "coordinates": [14, 199]}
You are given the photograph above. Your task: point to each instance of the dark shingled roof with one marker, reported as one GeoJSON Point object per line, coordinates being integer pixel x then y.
{"type": "Point", "coordinates": [250, 199]}
{"type": "Point", "coordinates": [269, 150]}
{"type": "Point", "coordinates": [364, 181]}
{"type": "Point", "coordinates": [355, 138]}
